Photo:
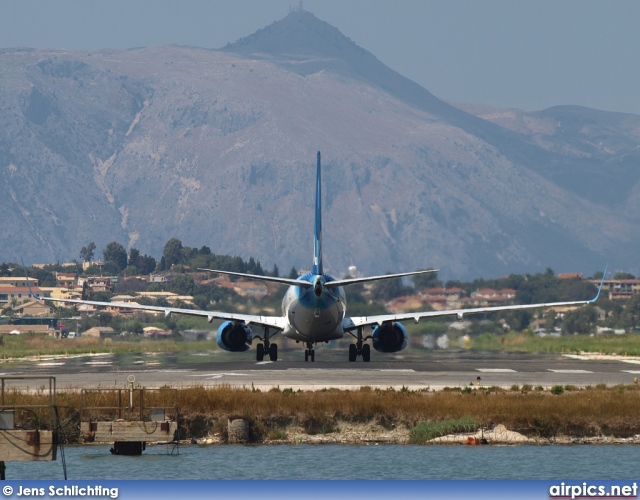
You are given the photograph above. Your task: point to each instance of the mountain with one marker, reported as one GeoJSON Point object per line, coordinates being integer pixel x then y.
{"type": "Point", "coordinates": [217, 148]}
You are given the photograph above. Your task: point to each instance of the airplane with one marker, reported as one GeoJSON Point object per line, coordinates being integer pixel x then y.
{"type": "Point", "coordinates": [314, 310]}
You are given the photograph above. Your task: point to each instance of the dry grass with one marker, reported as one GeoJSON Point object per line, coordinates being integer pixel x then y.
{"type": "Point", "coordinates": [590, 411]}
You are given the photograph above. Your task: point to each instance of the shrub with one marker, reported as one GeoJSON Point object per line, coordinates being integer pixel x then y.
{"type": "Point", "coordinates": [557, 389]}
{"type": "Point", "coordinates": [427, 430]}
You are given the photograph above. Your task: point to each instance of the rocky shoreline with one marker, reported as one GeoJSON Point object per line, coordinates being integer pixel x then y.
{"type": "Point", "coordinates": [373, 433]}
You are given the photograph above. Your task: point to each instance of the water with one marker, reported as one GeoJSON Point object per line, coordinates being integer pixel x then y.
{"type": "Point", "coordinates": [341, 462]}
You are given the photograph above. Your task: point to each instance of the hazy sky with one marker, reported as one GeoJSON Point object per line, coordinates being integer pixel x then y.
{"type": "Point", "coordinates": [513, 53]}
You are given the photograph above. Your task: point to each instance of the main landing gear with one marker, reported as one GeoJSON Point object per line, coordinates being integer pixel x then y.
{"type": "Point", "coordinates": [309, 352]}
{"type": "Point", "coordinates": [360, 348]}
{"type": "Point", "coordinates": [266, 348]}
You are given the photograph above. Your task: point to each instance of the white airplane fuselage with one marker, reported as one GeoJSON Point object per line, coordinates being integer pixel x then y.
{"type": "Point", "coordinates": [314, 314]}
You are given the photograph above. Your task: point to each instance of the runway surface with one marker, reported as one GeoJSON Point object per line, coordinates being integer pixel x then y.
{"type": "Point", "coordinates": [434, 370]}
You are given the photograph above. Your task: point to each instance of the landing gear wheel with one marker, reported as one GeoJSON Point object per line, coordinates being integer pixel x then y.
{"type": "Point", "coordinates": [260, 352]}
{"type": "Point", "coordinates": [313, 355]}
{"type": "Point", "coordinates": [306, 354]}
{"type": "Point", "coordinates": [353, 352]}
{"type": "Point", "coordinates": [273, 352]}
{"type": "Point", "coordinates": [366, 353]}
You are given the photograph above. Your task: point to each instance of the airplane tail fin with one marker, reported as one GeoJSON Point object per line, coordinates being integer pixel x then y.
{"type": "Point", "coordinates": [317, 238]}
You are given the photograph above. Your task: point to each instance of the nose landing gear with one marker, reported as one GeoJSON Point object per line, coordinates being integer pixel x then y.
{"type": "Point", "coordinates": [309, 352]}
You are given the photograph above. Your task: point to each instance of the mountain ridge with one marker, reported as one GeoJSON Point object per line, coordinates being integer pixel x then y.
{"type": "Point", "coordinates": [217, 147]}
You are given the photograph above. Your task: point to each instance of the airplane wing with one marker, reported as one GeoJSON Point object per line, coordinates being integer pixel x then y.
{"type": "Point", "coordinates": [272, 321]}
{"type": "Point", "coordinates": [359, 321]}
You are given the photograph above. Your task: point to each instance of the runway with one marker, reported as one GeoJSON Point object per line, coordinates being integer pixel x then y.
{"type": "Point", "coordinates": [436, 370]}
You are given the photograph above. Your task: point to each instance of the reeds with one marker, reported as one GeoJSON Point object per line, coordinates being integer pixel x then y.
{"type": "Point", "coordinates": [586, 411]}
{"type": "Point", "coordinates": [579, 412]}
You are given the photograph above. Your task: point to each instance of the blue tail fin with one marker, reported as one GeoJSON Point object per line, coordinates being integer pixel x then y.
{"type": "Point", "coordinates": [317, 240]}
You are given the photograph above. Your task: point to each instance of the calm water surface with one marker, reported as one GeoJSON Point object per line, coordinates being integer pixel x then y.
{"type": "Point", "coordinates": [341, 462]}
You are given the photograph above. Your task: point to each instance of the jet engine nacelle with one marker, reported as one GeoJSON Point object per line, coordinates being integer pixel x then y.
{"type": "Point", "coordinates": [235, 337]}
{"type": "Point", "coordinates": [389, 337]}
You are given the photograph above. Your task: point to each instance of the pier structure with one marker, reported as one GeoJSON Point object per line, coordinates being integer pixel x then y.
{"type": "Point", "coordinates": [28, 433]}
{"type": "Point", "coordinates": [129, 418]}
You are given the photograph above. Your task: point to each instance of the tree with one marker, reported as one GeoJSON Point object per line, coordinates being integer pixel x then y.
{"type": "Point", "coordinates": [427, 280]}
{"type": "Point", "coordinates": [276, 272]}
{"type": "Point", "coordinates": [550, 320]}
{"type": "Point", "coordinates": [582, 320]}
{"type": "Point", "coordinates": [293, 274]}
{"type": "Point", "coordinates": [130, 271]}
{"type": "Point", "coordinates": [146, 264]}
{"type": "Point", "coordinates": [134, 254]}
{"type": "Point", "coordinates": [630, 315]}
{"type": "Point", "coordinates": [143, 263]}
{"type": "Point", "coordinates": [387, 289]}
{"type": "Point", "coordinates": [172, 253]}
{"type": "Point", "coordinates": [115, 252]}
{"type": "Point", "coordinates": [182, 284]}
{"type": "Point", "coordinates": [518, 320]}
{"type": "Point", "coordinates": [86, 253]}
{"type": "Point", "coordinates": [623, 276]}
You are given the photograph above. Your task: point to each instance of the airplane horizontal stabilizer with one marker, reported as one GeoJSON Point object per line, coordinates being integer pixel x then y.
{"type": "Point", "coordinates": [274, 279]}
{"type": "Point", "coordinates": [351, 281]}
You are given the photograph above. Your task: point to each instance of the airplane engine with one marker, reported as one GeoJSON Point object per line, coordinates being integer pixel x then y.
{"type": "Point", "coordinates": [235, 337]}
{"type": "Point", "coordinates": [389, 337]}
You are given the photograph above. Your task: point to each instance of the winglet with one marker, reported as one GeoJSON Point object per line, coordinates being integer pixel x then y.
{"type": "Point", "coordinates": [317, 237]}
{"type": "Point", "coordinates": [604, 275]}
{"type": "Point", "coordinates": [26, 275]}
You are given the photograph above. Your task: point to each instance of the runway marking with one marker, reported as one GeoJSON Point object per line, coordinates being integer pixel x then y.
{"type": "Point", "coordinates": [158, 370]}
{"type": "Point", "coordinates": [635, 372]}
{"type": "Point", "coordinates": [263, 362]}
{"type": "Point", "coordinates": [569, 371]}
{"type": "Point", "coordinates": [398, 370]}
{"type": "Point", "coordinates": [99, 363]}
{"type": "Point", "coordinates": [496, 370]}
{"type": "Point", "coordinates": [50, 364]}
{"type": "Point", "coordinates": [219, 375]}
{"type": "Point", "coordinates": [632, 361]}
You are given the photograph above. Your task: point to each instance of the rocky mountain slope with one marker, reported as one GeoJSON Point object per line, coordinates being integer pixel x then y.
{"type": "Point", "coordinates": [217, 148]}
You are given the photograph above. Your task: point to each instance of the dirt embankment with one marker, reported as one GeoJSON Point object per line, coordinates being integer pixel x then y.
{"type": "Point", "coordinates": [376, 432]}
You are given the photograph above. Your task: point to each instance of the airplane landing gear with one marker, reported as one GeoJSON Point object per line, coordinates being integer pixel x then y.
{"type": "Point", "coordinates": [266, 347]}
{"type": "Point", "coordinates": [309, 352]}
{"type": "Point", "coordinates": [360, 348]}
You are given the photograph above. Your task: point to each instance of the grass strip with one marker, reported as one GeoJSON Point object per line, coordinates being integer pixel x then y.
{"type": "Point", "coordinates": [427, 430]}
